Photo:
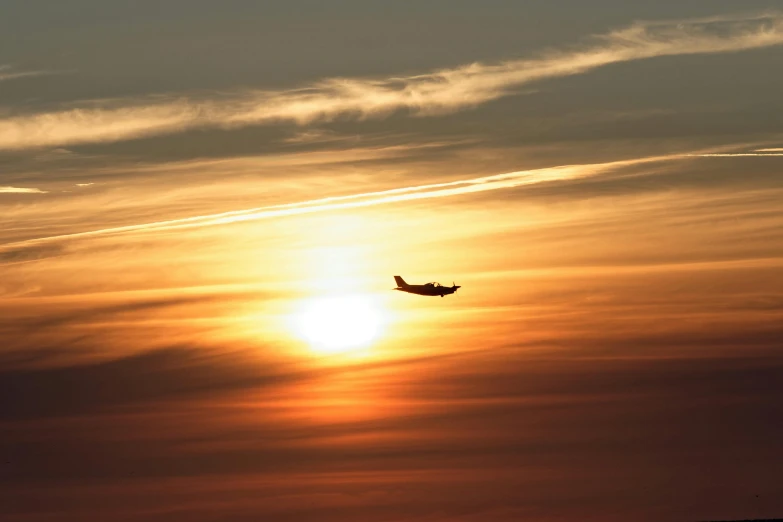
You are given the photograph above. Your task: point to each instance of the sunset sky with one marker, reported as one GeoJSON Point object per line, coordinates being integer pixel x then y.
{"type": "Point", "coordinates": [203, 205]}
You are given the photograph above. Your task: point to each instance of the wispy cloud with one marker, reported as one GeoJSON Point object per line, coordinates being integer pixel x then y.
{"type": "Point", "coordinates": [398, 195]}
{"type": "Point", "coordinates": [741, 155]}
{"type": "Point", "coordinates": [770, 150]}
{"type": "Point", "coordinates": [437, 92]}
{"type": "Point", "coordinates": [20, 190]}
{"type": "Point", "coordinates": [8, 73]}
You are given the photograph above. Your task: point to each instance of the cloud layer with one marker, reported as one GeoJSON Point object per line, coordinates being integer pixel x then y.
{"type": "Point", "coordinates": [437, 92]}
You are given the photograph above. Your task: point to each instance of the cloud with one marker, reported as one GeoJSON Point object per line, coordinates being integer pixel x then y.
{"type": "Point", "coordinates": [740, 155]}
{"type": "Point", "coordinates": [21, 190]}
{"type": "Point", "coordinates": [20, 255]}
{"type": "Point", "coordinates": [398, 195]}
{"type": "Point", "coordinates": [166, 372]}
{"type": "Point", "coordinates": [211, 426]}
{"type": "Point", "coordinates": [7, 73]}
{"type": "Point", "coordinates": [437, 92]}
{"type": "Point", "coordinates": [726, 152]}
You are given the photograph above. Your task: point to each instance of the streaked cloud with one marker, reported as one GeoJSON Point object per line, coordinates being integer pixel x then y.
{"type": "Point", "coordinates": [437, 92]}
{"type": "Point", "coordinates": [397, 195]}
{"type": "Point", "coordinates": [615, 345]}
{"type": "Point", "coordinates": [7, 73]}
{"type": "Point", "coordinates": [740, 155]}
{"type": "Point", "coordinates": [20, 190]}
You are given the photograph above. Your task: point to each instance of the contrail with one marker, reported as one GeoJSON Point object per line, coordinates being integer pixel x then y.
{"type": "Point", "coordinates": [739, 155]}
{"type": "Point", "coordinates": [428, 191]}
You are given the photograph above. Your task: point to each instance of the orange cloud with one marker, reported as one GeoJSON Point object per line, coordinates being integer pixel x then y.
{"type": "Point", "coordinates": [428, 191]}
{"type": "Point", "coordinates": [20, 190]}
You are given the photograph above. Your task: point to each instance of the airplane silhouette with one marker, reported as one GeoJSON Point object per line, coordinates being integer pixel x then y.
{"type": "Point", "coordinates": [430, 289]}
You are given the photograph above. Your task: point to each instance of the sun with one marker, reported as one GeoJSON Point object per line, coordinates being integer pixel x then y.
{"type": "Point", "coordinates": [339, 324]}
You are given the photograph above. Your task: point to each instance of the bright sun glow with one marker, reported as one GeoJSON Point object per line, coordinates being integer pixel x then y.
{"type": "Point", "coordinates": [339, 324]}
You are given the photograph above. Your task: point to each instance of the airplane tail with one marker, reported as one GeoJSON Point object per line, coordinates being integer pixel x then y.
{"type": "Point", "coordinates": [400, 282]}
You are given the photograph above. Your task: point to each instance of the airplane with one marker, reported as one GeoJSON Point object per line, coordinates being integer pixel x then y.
{"type": "Point", "coordinates": [430, 289]}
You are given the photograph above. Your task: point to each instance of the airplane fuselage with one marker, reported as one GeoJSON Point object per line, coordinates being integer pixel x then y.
{"type": "Point", "coordinates": [427, 290]}
{"type": "Point", "coordinates": [430, 289]}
